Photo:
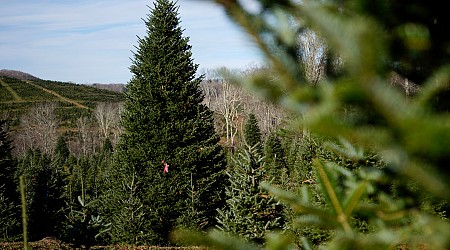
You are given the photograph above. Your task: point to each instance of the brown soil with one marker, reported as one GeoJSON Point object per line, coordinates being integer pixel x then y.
{"type": "Point", "coordinates": [53, 244]}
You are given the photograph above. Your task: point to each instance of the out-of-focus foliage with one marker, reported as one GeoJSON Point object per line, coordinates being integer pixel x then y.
{"type": "Point", "coordinates": [355, 102]}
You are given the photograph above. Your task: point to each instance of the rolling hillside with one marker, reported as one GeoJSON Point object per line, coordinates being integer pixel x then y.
{"type": "Point", "coordinates": [19, 91]}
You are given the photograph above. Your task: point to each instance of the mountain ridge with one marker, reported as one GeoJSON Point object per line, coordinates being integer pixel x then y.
{"type": "Point", "coordinates": [17, 74]}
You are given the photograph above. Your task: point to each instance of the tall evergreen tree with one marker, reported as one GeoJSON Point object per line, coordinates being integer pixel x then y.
{"type": "Point", "coordinates": [252, 133]}
{"type": "Point", "coordinates": [274, 152]}
{"type": "Point", "coordinates": [275, 158]}
{"type": "Point", "coordinates": [9, 220]}
{"type": "Point", "coordinates": [169, 143]}
{"type": "Point", "coordinates": [7, 165]}
{"type": "Point", "coordinates": [44, 191]}
{"type": "Point", "coordinates": [61, 152]}
{"type": "Point", "coordinates": [8, 196]}
{"type": "Point", "coordinates": [250, 212]}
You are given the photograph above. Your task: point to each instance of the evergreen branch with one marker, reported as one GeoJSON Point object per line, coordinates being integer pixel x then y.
{"type": "Point", "coordinates": [347, 150]}
{"type": "Point", "coordinates": [306, 244]}
{"type": "Point", "coordinates": [315, 220]}
{"type": "Point", "coordinates": [418, 171]}
{"type": "Point", "coordinates": [24, 212]}
{"type": "Point", "coordinates": [330, 191]}
{"type": "Point", "coordinates": [298, 205]}
{"type": "Point", "coordinates": [354, 198]}
{"type": "Point", "coordinates": [439, 81]}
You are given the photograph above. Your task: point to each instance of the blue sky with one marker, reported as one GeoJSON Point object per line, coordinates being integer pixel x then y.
{"type": "Point", "coordinates": [89, 41]}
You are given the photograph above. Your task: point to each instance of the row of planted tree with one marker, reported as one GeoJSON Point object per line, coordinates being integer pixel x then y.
{"type": "Point", "coordinates": [69, 197]}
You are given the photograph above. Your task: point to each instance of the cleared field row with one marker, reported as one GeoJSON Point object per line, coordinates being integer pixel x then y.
{"type": "Point", "coordinates": [81, 92]}
{"type": "Point", "coordinates": [7, 93]}
{"type": "Point", "coordinates": [18, 90]}
{"type": "Point", "coordinates": [26, 92]}
{"type": "Point", "coordinates": [72, 101]}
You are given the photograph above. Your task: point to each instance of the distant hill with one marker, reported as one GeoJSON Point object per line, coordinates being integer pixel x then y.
{"type": "Point", "coordinates": [116, 87]}
{"type": "Point", "coordinates": [17, 74]}
{"type": "Point", "coordinates": [20, 91]}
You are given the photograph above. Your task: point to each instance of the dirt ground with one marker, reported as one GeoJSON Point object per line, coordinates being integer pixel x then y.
{"type": "Point", "coordinates": [53, 244]}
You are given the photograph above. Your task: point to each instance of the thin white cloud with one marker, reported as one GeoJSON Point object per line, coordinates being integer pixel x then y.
{"type": "Point", "coordinates": [91, 41]}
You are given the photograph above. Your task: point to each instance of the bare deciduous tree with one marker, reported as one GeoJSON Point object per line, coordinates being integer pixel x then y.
{"type": "Point", "coordinates": [117, 129]}
{"type": "Point", "coordinates": [268, 115]}
{"type": "Point", "coordinates": [39, 127]}
{"type": "Point", "coordinates": [85, 139]}
{"type": "Point", "coordinates": [313, 56]}
{"type": "Point", "coordinates": [108, 117]}
{"type": "Point", "coordinates": [228, 104]}
{"type": "Point", "coordinates": [232, 104]}
{"type": "Point", "coordinates": [225, 100]}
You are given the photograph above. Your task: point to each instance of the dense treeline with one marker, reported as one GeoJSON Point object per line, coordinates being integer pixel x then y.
{"type": "Point", "coordinates": [66, 191]}
{"type": "Point", "coordinates": [60, 190]}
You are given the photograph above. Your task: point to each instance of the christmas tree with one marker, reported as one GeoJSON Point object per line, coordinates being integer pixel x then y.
{"type": "Point", "coordinates": [8, 195]}
{"type": "Point", "coordinates": [252, 133]}
{"type": "Point", "coordinates": [169, 143]}
{"type": "Point", "coordinates": [250, 212]}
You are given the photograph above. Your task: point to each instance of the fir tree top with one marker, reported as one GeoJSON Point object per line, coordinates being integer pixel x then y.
{"type": "Point", "coordinates": [61, 148]}
{"type": "Point", "coordinates": [252, 133]}
{"type": "Point", "coordinates": [164, 98]}
{"type": "Point", "coordinates": [162, 64]}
